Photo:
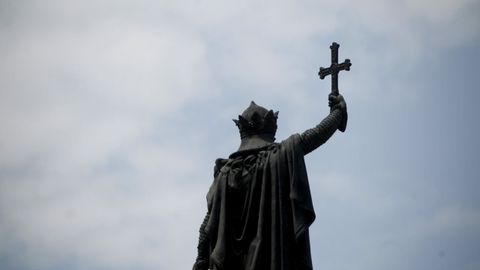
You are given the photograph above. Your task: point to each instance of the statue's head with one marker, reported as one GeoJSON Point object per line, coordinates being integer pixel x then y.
{"type": "Point", "coordinates": [256, 120]}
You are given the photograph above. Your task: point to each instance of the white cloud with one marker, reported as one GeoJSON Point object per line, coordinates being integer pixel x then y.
{"type": "Point", "coordinates": [438, 11]}
{"type": "Point", "coordinates": [94, 89]}
{"type": "Point", "coordinates": [73, 101]}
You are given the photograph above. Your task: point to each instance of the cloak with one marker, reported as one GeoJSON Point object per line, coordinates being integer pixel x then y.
{"type": "Point", "coordinates": [260, 210]}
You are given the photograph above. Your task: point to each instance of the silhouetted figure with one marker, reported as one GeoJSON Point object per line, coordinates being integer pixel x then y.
{"type": "Point", "coordinates": [259, 205]}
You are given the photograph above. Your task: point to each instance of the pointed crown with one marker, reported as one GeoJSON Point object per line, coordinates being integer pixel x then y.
{"type": "Point", "coordinates": [257, 120]}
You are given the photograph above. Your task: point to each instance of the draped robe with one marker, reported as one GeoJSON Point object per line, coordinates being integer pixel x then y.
{"type": "Point", "coordinates": [260, 209]}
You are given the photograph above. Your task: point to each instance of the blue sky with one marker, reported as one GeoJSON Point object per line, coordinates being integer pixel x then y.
{"type": "Point", "coordinates": [112, 113]}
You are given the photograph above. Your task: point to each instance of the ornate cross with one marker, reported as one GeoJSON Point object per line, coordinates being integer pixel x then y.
{"type": "Point", "coordinates": [334, 68]}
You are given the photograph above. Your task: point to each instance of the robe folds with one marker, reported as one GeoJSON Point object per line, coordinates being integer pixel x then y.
{"type": "Point", "coordinates": [260, 209]}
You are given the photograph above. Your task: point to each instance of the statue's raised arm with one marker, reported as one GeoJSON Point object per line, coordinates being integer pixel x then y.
{"type": "Point", "coordinates": [337, 119]}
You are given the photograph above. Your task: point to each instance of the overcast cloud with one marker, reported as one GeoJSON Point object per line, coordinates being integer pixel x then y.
{"type": "Point", "coordinates": [112, 113]}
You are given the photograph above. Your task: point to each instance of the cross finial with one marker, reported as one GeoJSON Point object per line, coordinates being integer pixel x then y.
{"type": "Point", "coordinates": [334, 68]}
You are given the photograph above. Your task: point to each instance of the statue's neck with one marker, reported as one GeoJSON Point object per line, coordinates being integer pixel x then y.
{"type": "Point", "coordinates": [255, 141]}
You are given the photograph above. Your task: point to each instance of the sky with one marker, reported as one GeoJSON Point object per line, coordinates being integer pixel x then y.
{"type": "Point", "coordinates": [113, 112]}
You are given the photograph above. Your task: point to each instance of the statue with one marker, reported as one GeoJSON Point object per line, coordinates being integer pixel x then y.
{"type": "Point", "coordinates": [259, 204]}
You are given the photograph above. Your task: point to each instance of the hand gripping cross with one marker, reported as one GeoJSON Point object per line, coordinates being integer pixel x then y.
{"type": "Point", "coordinates": [334, 68]}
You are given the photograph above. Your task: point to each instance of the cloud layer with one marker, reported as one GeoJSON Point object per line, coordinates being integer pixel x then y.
{"type": "Point", "coordinates": [112, 114]}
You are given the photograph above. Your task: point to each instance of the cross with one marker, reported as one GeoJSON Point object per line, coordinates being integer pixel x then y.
{"type": "Point", "coordinates": [334, 68]}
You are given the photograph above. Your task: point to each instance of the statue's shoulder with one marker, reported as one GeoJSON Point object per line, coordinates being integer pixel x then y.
{"type": "Point", "coordinates": [219, 163]}
{"type": "Point", "coordinates": [292, 142]}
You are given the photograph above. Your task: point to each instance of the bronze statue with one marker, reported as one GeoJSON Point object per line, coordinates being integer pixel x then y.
{"type": "Point", "coordinates": [259, 205]}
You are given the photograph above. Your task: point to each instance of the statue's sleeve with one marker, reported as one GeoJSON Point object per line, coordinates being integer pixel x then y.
{"type": "Point", "coordinates": [203, 247]}
{"type": "Point", "coordinates": [312, 138]}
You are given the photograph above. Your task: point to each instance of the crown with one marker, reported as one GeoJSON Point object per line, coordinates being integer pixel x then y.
{"type": "Point", "coordinates": [257, 120]}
